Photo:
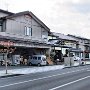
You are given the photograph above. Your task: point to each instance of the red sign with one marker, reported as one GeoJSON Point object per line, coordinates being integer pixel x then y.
{"type": "Point", "coordinates": [3, 43]}
{"type": "Point", "coordinates": [87, 51]}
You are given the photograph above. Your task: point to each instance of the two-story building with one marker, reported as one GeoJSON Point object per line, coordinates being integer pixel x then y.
{"type": "Point", "coordinates": [63, 43]}
{"type": "Point", "coordinates": [28, 33]}
{"type": "Point", "coordinates": [84, 45]}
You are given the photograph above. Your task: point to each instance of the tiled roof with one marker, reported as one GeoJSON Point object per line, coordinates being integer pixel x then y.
{"type": "Point", "coordinates": [78, 37]}
{"type": "Point", "coordinates": [64, 37]}
{"type": "Point", "coordinates": [7, 12]}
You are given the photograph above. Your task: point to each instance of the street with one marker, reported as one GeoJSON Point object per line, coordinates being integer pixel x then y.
{"type": "Point", "coordinates": [75, 78]}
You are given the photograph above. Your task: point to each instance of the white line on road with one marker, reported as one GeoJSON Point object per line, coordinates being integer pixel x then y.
{"type": "Point", "coordinates": [39, 78]}
{"type": "Point", "coordinates": [58, 87]}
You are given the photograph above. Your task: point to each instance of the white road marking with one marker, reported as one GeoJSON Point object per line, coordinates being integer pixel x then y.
{"type": "Point", "coordinates": [58, 87]}
{"type": "Point", "coordinates": [39, 78]}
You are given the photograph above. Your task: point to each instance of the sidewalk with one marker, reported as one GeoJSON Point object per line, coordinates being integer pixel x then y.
{"type": "Point", "coordinates": [30, 69]}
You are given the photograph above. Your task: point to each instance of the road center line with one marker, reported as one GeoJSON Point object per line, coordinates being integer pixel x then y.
{"type": "Point", "coordinates": [39, 78]}
{"type": "Point", "coordinates": [58, 87]}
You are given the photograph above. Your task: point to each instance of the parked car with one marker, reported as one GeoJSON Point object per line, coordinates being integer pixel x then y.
{"type": "Point", "coordinates": [80, 60]}
{"type": "Point", "coordinates": [38, 60]}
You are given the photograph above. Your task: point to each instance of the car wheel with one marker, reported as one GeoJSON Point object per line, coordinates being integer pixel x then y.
{"type": "Point", "coordinates": [47, 64]}
{"type": "Point", "coordinates": [39, 64]}
{"type": "Point", "coordinates": [30, 64]}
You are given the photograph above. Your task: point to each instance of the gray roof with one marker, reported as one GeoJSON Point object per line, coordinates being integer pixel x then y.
{"type": "Point", "coordinates": [7, 12]}
{"type": "Point", "coordinates": [52, 42]}
{"type": "Point", "coordinates": [78, 37]}
{"type": "Point", "coordinates": [64, 37]}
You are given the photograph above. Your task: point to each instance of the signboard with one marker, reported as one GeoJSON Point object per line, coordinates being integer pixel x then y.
{"type": "Point", "coordinates": [6, 44]}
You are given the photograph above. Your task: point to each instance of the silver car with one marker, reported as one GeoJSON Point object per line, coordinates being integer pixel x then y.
{"type": "Point", "coordinates": [38, 60]}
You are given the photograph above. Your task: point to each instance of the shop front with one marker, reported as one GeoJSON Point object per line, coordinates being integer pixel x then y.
{"type": "Point", "coordinates": [17, 52]}
{"type": "Point", "coordinates": [75, 52]}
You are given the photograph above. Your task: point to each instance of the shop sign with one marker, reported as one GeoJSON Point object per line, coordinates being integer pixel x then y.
{"type": "Point", "coordinates": [86, 51]}
{"type": "Point", "coordinates": [8, 43]}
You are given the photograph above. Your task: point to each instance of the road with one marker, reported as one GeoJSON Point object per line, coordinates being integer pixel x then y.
{"type": "Point", "coordinates": [76, 78]}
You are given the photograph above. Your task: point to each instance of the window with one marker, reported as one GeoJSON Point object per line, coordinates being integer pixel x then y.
{"type": "Point", "coordinates": [0, 26]}
{"type": "Point", "coordinates": [39, 58]}
{"type": "Point", "coordinates": [35, 58]}
{"type": "Point", "coordinates": [28, 31]}
{"type": "Point", "coordinates": [43, 59]}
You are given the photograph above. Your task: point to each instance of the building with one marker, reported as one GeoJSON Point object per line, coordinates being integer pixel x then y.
{"type": "Point", "coordinates": [62, 43]}
{"type": "Point", "coordinates": [84, 45]}
{"type": "Point", "coordinates": [28, 34]}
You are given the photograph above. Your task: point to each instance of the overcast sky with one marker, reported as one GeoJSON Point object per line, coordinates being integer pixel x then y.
{"type": "Point", "coordinates": [63, 16]}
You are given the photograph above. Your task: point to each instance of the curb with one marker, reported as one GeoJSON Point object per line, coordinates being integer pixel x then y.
{"type": "Point", "coordinates": [10, 75]}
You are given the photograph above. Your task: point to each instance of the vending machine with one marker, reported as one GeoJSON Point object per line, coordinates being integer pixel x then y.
{"type": "Point", "coordinates": [16, 60]}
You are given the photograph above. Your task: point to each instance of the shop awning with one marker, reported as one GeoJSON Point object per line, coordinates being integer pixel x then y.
{"type": "Point", "coordinates": [75, 50]}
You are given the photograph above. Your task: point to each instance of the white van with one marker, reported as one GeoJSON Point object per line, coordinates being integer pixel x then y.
{"type": "Point", "coordinates": [37, 60]}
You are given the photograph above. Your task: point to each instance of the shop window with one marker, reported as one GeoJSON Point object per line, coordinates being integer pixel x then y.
{"type": "Point", "coordinates": [87, 55]}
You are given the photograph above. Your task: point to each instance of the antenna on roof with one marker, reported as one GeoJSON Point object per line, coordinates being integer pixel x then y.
{"type": "Point", "coordinates": [7, 5]}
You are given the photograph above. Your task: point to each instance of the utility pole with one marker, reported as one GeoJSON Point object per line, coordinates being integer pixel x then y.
{"type": "Point", "coordinates": [7, 5]}
{"type": "Point", "coordinates": [6, 59]}
{"type": "Point", "coordinates": [7, 44]}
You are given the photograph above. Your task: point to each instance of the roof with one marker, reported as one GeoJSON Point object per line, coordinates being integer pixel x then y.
{"type": "Point", "coordinates": [79, 37]}
{"type": "Point", "coordinates": [51, 34]}
{"type": "Point", "coordinates": [62, 46]}
{"type": "Point", "coordinates": [52, 42]}
{"type": "Point", "coordinates": [7, 12]}
{"type": "Point", "coordinates": [21, 40]}
{"type": "Point", "coordinates": [64, 37]}
{"type": "Point", "coordinates": [32, 15]}
{"type": "Point", "coordinates": [17, 14]}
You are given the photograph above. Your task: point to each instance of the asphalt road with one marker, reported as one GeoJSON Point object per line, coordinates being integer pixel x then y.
{"type": "Point", "coordinates": [76, 78]}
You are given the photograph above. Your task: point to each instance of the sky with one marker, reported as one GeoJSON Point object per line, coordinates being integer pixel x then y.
{"type": "Point", "coordinates": [62, 16]}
